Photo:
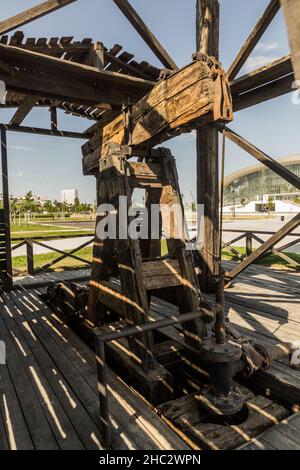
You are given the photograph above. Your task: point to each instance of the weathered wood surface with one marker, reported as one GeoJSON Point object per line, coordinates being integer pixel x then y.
{"type": "Point", "coordinates": [187, 99]}
{"type": "Point", "coordinates": [291, 10]}
{"type": "Point", "coordinates": [32, 14]}
{"type": "Point", "coordinates": [187, 414]}
{"type": "Point", "coordinates": [283, 436]}
{"type": "Point", "coordinates": [49, 393]}
{"type": "Point", "coordinates": [207, 146]}
{"type": "Point", "coordinates": [38, 76]}
{"type": "Point", "coordinates": [262, 84]}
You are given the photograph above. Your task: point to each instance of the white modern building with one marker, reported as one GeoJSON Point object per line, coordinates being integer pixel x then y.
{"type": "Point", "coordinates": [68, 196]}
{"type": "Point", "coordinates": [257, 189]}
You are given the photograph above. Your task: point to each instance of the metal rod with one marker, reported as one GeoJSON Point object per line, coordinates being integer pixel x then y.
{"type": "Point", "coordinates": [220, 332]}
{"type": "Point", "coordinates": [101, 340]}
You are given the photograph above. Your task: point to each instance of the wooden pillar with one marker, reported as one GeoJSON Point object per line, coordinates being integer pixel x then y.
{"type": "Point", "coordinates": [53, 114]}
{"type": "Point", "coordinates": [291, 10]}
{"type": "Point", "coordinates": [207, 24]}
{"type": "Point", "coordinates": [7, 281]}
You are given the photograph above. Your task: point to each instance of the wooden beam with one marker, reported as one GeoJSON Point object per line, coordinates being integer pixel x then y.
{"type": "Point", "coordinates": [6, 68]}
{"type": "Point", "coordinates": [265, 83]}
{"type": "Point", "coordinates": [207, 24]}
{"type": "Point", "coordinates": [291, 10]}
{"type": "Point", "coordinates": [189, 98]}
{"type": "Point", "coordinates": [48, 76]}
{"type": "Point", "coordinates": [254, 38]}
{"type": "Point", "coordinates": [263, 75]}
{"type": "Point", "coordinates": [41, 131]}
{"type": "Point", "coordinates": [32, 14]}
{"type": "Point", "coordinates": [23, 110]}
{"type": "Point", "coordinates": [264, 93]}
{"type": "Point", "coordinates": [267, 246]}
{"type": "Point", "coordinates": [146, 34]}
{"type": "Point", "coordinates": [262, 157]}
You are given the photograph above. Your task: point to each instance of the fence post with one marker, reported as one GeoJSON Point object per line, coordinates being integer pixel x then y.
{"type": "Point", "coordinates": [249, 244]}
{"type": "Point", "coordinates": [30, 260]}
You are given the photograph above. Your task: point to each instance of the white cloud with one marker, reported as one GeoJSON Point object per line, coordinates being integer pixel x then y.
{"type": "Point", "coordinates": [257, 61]}
{"type": "Point", "coordinates": [24, 149]}
{"type": "Point", "coordinates": [18, 174]}
{"type": "Point", "coordinates": [262, 55]}
{"type": "Point", "coordinates": [261, 46]}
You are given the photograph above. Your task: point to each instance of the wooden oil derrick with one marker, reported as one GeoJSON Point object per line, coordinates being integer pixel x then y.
{"type": "Point", "coordinates": [139, 265]}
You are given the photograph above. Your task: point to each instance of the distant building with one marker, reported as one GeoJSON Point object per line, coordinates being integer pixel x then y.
{"type": "Point", "coordinates": [68, 196]}
{"type": "Point", "coordinates": [258, 189]}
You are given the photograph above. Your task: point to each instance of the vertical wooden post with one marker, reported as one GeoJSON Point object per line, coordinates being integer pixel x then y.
{"type": "Point", "coordinates": [53, 114]}
{"type": "Point", "coordinates": [30, 259]}
{"type": "Point", "coordinates": [249, 244]}
{"type": "Point", "coordinates": [207, 14]}
{"type": "Point", "coordinates": [291, 10]}
{"type": "Point", "coordinates": [9, 276]}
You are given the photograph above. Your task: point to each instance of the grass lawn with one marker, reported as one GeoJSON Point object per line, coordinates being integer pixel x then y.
{"type": "Point", "coordinates": [272, 260]}
{"type": "Point", "coordinates": [20, 262]}
{"type": "Point", "coordinates": [41, 230]}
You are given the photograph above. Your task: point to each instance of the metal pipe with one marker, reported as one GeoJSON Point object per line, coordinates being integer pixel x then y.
{"type": "Point", "coordinates": [101, 340]}
{"type": "Point", "coordinates": [220, 332]}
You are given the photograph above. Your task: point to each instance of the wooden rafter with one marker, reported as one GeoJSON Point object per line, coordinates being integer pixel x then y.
{"type": "Point", "coordinates": [291, 10]}
{"type": "Point", "coordinates": [265, 83]}
{"type": "Point", "coordinates": [146, 34]}
{"type": "Point", "coordinates": [23, 110]}
{"type": "Point", "coordinates": [32, 14]}
{"type": "Point", "coordinates": [254, 38]}
{"type": "Point", "coordinates": [38, 76]}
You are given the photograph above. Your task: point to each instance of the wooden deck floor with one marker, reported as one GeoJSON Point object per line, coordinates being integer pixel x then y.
{"type": "Point", "coordinates": [285, 435]}
{"type": "Point", "coordinates": [48, 387]}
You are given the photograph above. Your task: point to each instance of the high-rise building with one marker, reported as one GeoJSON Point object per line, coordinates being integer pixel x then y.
{"type": "Point", "coordinates": [68, 196]}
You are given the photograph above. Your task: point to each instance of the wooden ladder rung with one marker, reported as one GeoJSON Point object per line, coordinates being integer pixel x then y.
{"type": "Point", "coordinates": [161, 274]}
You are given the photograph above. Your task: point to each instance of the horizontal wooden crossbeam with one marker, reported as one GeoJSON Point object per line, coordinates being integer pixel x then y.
{"type": "Point", "coordinates": [41, 131]}
{"type": "Point", "coordinates": [263, 84]}
{"type": "Point", "coordinates": [32, 14]}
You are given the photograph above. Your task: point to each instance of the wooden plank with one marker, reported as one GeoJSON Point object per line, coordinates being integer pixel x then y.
{"type": "Point", "coordinates": [60, 393]}
{"type": "Point", "coordinates": [254, 38]}
{"type": "Point", "coordinates": [261, 76]}
{"type": "Point", "coordinates": [23, 110]}
{"type": "Point", "coordinates": [37, 423]}
{"type": "Point", "coordinates": [145, 33]}
{"type": "Point", "coordinates": [61, 426]}
{"type": "Point", "coordinates": [291, 10]}
{"type": "Point", "coordinates": [32, 14]}
{"type": "Point", "coordinates": [267, 92]}
{"type": "Point", "coordinates": [186, 99]}
{"type": "Point", "coordinates": [141, 428]}
{"type": "Point", "coordinates": [99, 85]}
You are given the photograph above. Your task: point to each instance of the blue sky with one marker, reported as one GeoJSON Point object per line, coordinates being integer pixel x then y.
{"type": "Point", "coordinates": [46, 165]}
